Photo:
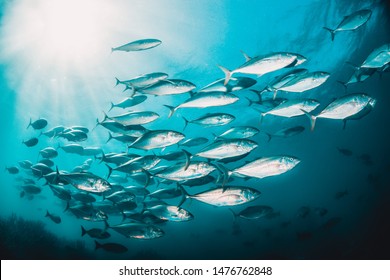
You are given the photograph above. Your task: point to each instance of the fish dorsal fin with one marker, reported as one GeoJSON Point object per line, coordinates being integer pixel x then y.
{"type": "Point", "coordinates": [247, 57]}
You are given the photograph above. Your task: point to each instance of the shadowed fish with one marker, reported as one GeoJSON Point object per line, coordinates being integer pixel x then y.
{"type": "Point", "coordinates": [331, 223]}
{"type": "Point", "coordinates": [378, 57]}
{"type": "Point", "coordinates": [199, 181]}
{"type": "Point", "coordinates": [234, 84]}
{"type": "Point", "coordinates": [286, 132]}
{"type": "Point", "coordinates": [345, 152]}
{"type": "Point", "coordinates": [95, 233]}
{"type": "Point", "coordinates": [129, 102]}
{"type": "Point", "coordinates": [56, 219]}
{"type": "Point", "coordinates": [25, 164]}
{"type": "Point", "coordinates": [53, 131]}
{"type": "Point", "coordinates": [137, 230]}
{"type": "Point", "coordinates": [340, 195]}
{"type": "Point", "coordinates": [303, 212]}
{"type": "Point", "coordinates": [31, 142]}
{"type": "Point", "coordinates": [61, 192]}
{"type": "Point", "coordinates": [48, 153]}
{"type": "Point", "coordinates": [139, 45]}
{"type": "Point", "coordinates": [111, 247]}
{"type": "Point", "coordinates": [170, 213]}
{"type": "Point", "coordinates": [83, 197]}
{"type": "Point", "coordinates": [38, 124]}
{"type": "Point", "coordinates": [254, 212]}
{"type": "Point", "coordinates": [12, 170]}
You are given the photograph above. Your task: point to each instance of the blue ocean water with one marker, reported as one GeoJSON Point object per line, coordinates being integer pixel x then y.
{"type": "Point", "coordinates": [69, 79]}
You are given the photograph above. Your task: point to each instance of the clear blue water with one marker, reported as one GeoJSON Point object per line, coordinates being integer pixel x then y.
{"type": "Point", "coordinates": [39, 79]}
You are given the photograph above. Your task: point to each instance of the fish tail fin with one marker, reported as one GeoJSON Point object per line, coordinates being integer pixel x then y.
{"type": "Point", "coordinates": [312, 119]}
{"type": "Point", "coordinates": [225, 173]}
{"type": "Point", "coordinates": [353, 65]}
{"type": "Point", "coordinates": [269, 136]}
{"type": "Point", "coordinates": [332, 32]}
{"type": "Point", "coordinates": [343, 84]}
{"type": "Point", "coordinates": [103, 158]}
{"type": "Point", "coordinates": [112, 106]}
{"type": "Point", "coordinates": [40, 134]}
{"type": "Point", "coordinates": [47, 213]}
{"type": "Point", "coordinates": [172, 110]}
{"type": "Point", "coordinates": [188, 156]}
{"type": "Point", "coordinates": [109, 171]}
{"type": "Point", "coordinates": [30, 123]}
{"type": "Point", "coordinates": [98, 245]}
{"type": "Point", "coordinates": [83, 231]}
{"type": "Point", "coordinates": [67, 206]}
{"type": "Point", "coordinates": [227, 72]}
{"type": "Point", "coordinates": [215, 136]}
{"type": "Point", "coordinates": [185, 123]}
{"type": "Point", "coordinates": [117, 81]}
{"type": "Point", "coordinates": [344, 124]}
{"type": "Point", "coordinates": [185, 195]}
{"type": "Point", "coordinates": [97, 123]}
{"type": "Point", "coordinates": [262, 115]}
{"type": "Point", "coordinates": [249, 101]}
{"type": "Point", "coordinates": [148, 176]}
{"type": "Point", "coordinates": [109, 137]}
{"type": "Point", "coordinates": [105, 117]}
{"type": "Point", "coordinates": [246, 56]}
{"type": "Point", "coordinates": [259, 94]}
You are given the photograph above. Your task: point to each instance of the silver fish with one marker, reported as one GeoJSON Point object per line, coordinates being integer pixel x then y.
{"type": "Point", "coordinates": [182, 172]}
{"type": "Point", "coordinates": [205, 100]}
{"type": "Point", "coordinates": [293, 108]}
{"type": "Point", "coordinates": [228, 148]}
{"type": "Point", "coordinates": [157, 139]}
{"type": "Point", "coordinates": [351, 22]}
{"type": "Point", "coordinates": [48, 152]}
{"type": "Point", "coordinates": [143, 80]}
{"type": "Point", "coordinates": [378, 58]}
{"type": "Point", "coordinates": [134, 118]}
{"type": "Point", "coordinates": [129, 102]}
{"type": "Point", "coordinates": [343, 107]}
{"type": "Point", "coordinates": [305, 82]}
{"type": "Point", "coordinates": [138, 230]}
{"type": "Point", "coordinates": [170, 213]}
{"type": "Point", "coordinates": [121, 138]}
{"type": "Point", "coordinates": [138, 45]}
{"type": "Point", "coordinates": [215, 119]}
{"type": "Point", "coordinates": [168, 87]}
{"type": "Point", "coordinates": [87, 182]}
{"type": "Point", "coordinates": [239, 132]}
{"type": "Point", "coordinates": [87, 212]}
{"type": "Point", "coordinates": [230, 196]}
{"type": "Point", "coordinates": [266, 167]}
{"type": "Point", "coordinates": [261, 65]}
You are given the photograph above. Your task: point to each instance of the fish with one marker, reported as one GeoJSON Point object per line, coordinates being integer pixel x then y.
{"type": "Point", "coordinates": [168, 87]}
{"type": "Point", "coordinates": [157, 139]}
{"type": "Point", "coordinates": [111, 247]}
{"type": "Point", "coordinates": [73, 135]}
{"type": "Point", "coordinates": [205, 100]}
{"type": "Point", "coordinates": [345, 152]}
{"type": "Point", "coordinates": [72, 149]}
{"type": "Point", "coordinates": [83, 197]}
{"type": "Point", "coordinates": [87, 212]}
{"type": "Point", "coordinates": [183, 172]}
{"type": "Point", "coordinates": [320, 211]}
{"type": "Point", "coordinates": [220, 197]}
{"type": "Point", "coordinates": [38, 124]}
{"type": "Point", "coordinates": [378, 58]}
{"type": "Point", "coordinates": [31, 189]}
{"type": "Point", "coordinates": [254, 212]}
{"type": "Point", "coordinates": [359, 75]}
{"type": "Point", "coordinates": [342, 108]}
{"type": "Point", "coordinates": [234, 84]}
{"type": "Point", "coordinates": [31, 142]}
{"type": "Point", "coordinates": [170, 213]}
{"type": "Point", "coordinates": [166, 193]}
{"type": "Point", "coordinates": [286, 132]}
{"type": "Point", "coordinates": [25, 164]}
{"type": "Point", "coordinates": [193, 142]}
{"type": "Point", "coordinates": [95, 233]}
{"type": "Point", "coordinates": [136, 165]}
{"type": "Point", "coordinates": [266, 167]}
{"type": "Point", "coordinates": [129, 102]}
{"type": "Point", "coordinates": [117, 159]}
{"type": "Point", "coordinates": [47, 162]}
{"type": "Point", "coordinates": [208, 120]}
{"type": "Point", "coordinates": [56, 219]}
{"type": "Point", "coordinates": [143, 80]}
{"type": "Point", "coordinates": [61, 192]}
{"type": "Point", "coordinates": [53, 131]}
{"type": "Point", "coordinates": [199, 181]}
{"type": "Point", "coordinates": [86, 182]}
{"type": "Point", "coordinates": [41, 169]}
{"type": "Point", "coordinates": [341, 194]}
{"type": "Point", "coordinates": [361, 114]}
{"type": "Point", "coordinates": [12, 170]}
{"type": "Point", "coordinates": [351, 22]}
{"type": "Point", "coordinates": [239, 132]}
{"type": "Point", "coordinates": [292, 108]}
{"type": "Point", "coordinates": [305, 82]}
{"type": "Point", "coordinates": [331, 223]}
{"type": "Point", "coordinates": [139, 45]}
{"type": "Point", "coordinates": [131, 130]}
{"type": "Point", "coordinates": [261, 65]}
{"type": "Point", "coordinates": [223, 149]}
{"type": "Point", "coordinates": [78, 128]}
{"type": "Point", "coordinates": [92, 151]}
{"type": "Point", "coordinates": [137, 230]}
{"type": "Point", "coordinates": [48, 153]}
{"type": "Point", "coordinates": [120, 196]}
{"type": "Point", "coordinates": [134, 118]}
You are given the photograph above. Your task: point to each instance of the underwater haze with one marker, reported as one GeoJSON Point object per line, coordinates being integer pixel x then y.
{"type": "Point", "coordinates": [115, 144]}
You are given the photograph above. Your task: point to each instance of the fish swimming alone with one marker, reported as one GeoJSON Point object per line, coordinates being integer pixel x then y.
{"type": "Point", "coordinates": [139, 45]}
{"type": "Point", "coordinates": [351, 22]}
{"type": "Point", "coordinates": [38, 124]}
